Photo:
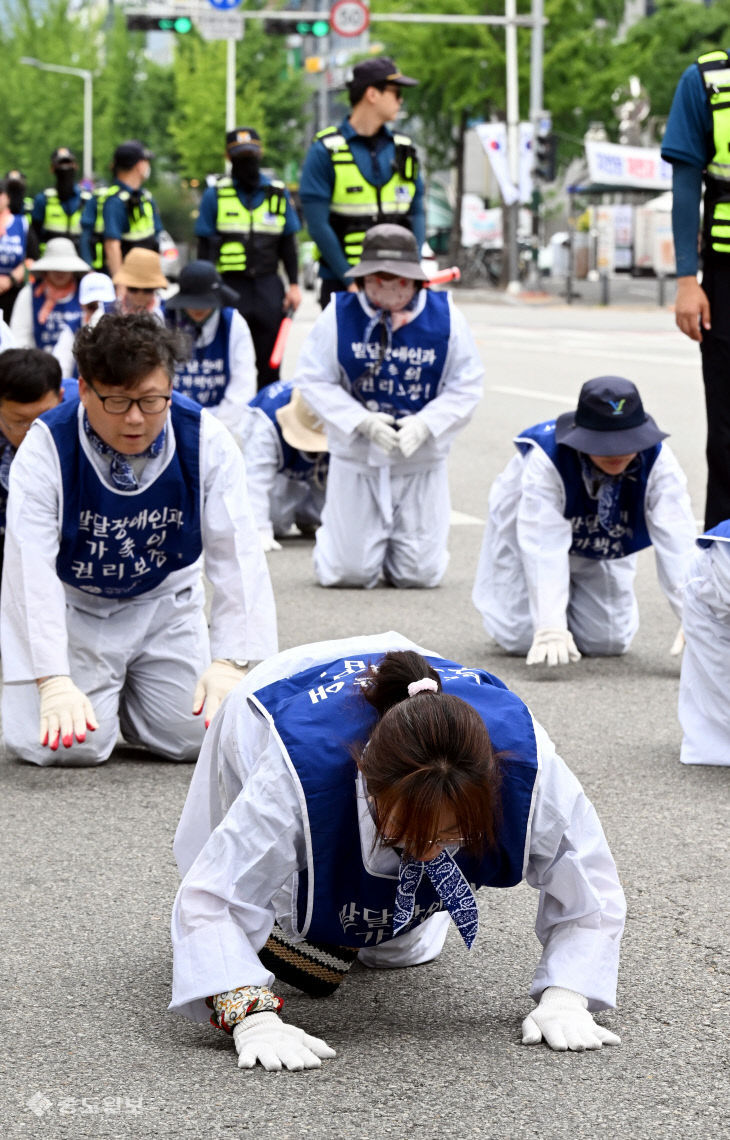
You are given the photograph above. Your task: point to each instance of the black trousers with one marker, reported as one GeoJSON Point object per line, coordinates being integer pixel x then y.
{"type": "Point", "coordinates": [260, 304]}
{"type": "Point", "coordinates": [715, 349]}
{"type": "Point", "coordinates": [328, 286]}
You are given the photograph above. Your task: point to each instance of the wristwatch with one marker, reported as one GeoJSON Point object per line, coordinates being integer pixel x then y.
{"type": "Point", "coordinates": [237, 663]}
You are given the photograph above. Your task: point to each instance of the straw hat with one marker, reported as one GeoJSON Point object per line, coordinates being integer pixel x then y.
{"type": "Point", "coordinates": [60, 256]}
{"type": "Point", "coordinates": [299, 425]}
{"type": "Point", "coordinates": [141, 269]}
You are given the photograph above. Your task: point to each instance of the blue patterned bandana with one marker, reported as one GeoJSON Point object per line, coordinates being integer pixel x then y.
{"type": "Point", "coordinates": [450, 886]}
{"type": "Point", "coordinates": [606, 489]}
{"type": "Point", "coordinates": [121, 471]}
{"type": "Point", "coordinates": [7, 455]}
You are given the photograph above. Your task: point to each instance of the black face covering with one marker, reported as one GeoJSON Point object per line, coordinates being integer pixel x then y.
{"type": "Point", "coordinates": [245, 170]}
{"type": "Point", "coordinates": [16, 195]}
{"type": "Point", "coordinates": [65, 180]}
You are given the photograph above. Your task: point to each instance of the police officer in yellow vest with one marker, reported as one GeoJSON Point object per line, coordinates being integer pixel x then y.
{"type": "Point", "coordinates": [361, 173]}
{"type": "Point", "coordinates": [246, 226]}
{"type": "Point", "coordinates": [122, 216]}
{"type": "Point", "coordinates": [697, 143]}
{"type": "Point", "coordinates": [57, 210]}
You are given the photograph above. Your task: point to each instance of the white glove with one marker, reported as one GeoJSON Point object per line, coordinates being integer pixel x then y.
{"type": "Point", "coordinates": [268, 542]}
{"type": "Point", "coordinates": [563, 1021]}
{"type": "Point", "coordinates": [378, 426]}
{"type": "Point", "coordinates": [413, 432]}
{"type": "Point", "coordinates": [65, 712]}
{"type": "Point", "coordinates": [275, 1044]}
{"type": "Point", "coordinates": [552, 647]}
{"type": "Point", "coordinates": [215, 684]}
{"type": "Point", "coordinates": [677, 644]}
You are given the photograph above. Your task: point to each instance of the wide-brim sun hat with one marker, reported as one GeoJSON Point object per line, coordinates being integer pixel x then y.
{"type": "Point", "coordinates": [141, 269]}
{"type": "Point", "coordinates": [300, 426]}
{"type": "Point", "coordinates": [201, 287]}
{"type": "Point", "coordinates": [96, 287]}
{"type": "Point", "coordinates": [609, 420]}
{"type": "Point", "coordinates": [60, 256]}
{"type": "Point", "coordinates": [389, 248]}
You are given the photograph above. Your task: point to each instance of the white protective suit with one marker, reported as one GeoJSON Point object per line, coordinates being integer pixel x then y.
{"type": "Point", "coordinates": [239, 878]}
{"type": "Point", "coordinates": [384, 513]}
{"type": "Point", "coordinates": [137, 659]}
{"type": "Point", "coordinates": [276, 500]}
{"type": "Point", "coordinates": [241, 386]}
{"type": "Point", "coordinates": [704, 709]}
{"type": "Point", "coordinates": [527, 580]}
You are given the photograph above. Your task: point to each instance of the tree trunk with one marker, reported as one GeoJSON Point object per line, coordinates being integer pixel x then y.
{"type": "Point", "coordinates": [455, 238]}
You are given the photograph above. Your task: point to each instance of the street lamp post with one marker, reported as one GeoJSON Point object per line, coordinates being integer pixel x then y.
{"type": "Point", "coordinates": [87, 76]}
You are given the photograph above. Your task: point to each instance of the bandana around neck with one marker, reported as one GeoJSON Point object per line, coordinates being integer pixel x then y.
{"type": "Point", "coordinates": [121, 471]}
{"type": "Point", "coordinates": [606, 489]}
{"type": "Point", "coordinates": [450, 885]}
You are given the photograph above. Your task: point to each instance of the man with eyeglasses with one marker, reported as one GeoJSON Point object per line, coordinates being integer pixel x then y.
{"type": "Point", "coordinates": [114, 499]}
{"type": "Point", "coordinates": [361, 173]}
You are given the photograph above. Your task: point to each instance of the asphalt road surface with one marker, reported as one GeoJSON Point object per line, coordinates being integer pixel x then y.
{"type": "Point", "coordinates": [434, 1052]}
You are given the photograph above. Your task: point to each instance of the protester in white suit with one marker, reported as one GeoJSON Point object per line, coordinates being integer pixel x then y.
{"type": "Point", "coordinates": [567, 517]}
{"type": "Point", "coordinates": [704, 709]}
{"type": "Point", "coordinates": [306, 842]}
{"type": "Point", "coordinates": [394, 373]}
{"type": "Point", "coordinates": [285, 449]}
{"type": "Point", "coordinates": [114, 498]}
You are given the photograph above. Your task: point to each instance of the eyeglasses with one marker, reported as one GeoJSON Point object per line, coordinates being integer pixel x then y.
{"type": "Point", "coordinates": [394, 90]}
{"type": "Point", "coordinates": [440, 841]}
{"type": "Point", "coordinates": [119, 405]}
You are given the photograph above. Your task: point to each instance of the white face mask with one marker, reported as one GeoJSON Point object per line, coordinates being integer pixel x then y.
{"type": "Point", "coordinates": [392, 294]}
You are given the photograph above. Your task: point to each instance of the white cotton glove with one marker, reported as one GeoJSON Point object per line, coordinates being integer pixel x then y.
{"type": "Point", "coordinates": [268, 542]}
{"type": "Point", "coordinates": [562, 1020]}
{"type": "Point", "coordinates": [275, 1044]}
{"type": "Point", "coordinates": [677, 644]}
{"type": "Point", "coordinates": [65, 712]}
{"type": "Point", "coordinates": [378, 427]}
{"type": "Point", "coordinates": [215, 684]}
{"type": "Point", "coordinates": [412, 433]}
{"type": "Point", "coordinates": [552, 647]}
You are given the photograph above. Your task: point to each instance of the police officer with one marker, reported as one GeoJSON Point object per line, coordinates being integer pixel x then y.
{"type": "Point", "coordinates": [361, 173]}
{"type": "Point", "coordinates": [123, 216]}
{"type": "Point", "coordinates": [246, 226]}
{"type": "Point", "coordinates": [57, 210]}
{"type": "Point", "coordinates": [696, 141]}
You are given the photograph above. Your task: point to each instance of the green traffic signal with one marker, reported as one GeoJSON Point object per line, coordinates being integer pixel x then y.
{"type": "Point", "coordinates": [317, 28]}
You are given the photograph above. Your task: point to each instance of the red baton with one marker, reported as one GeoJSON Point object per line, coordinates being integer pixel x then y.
{"type": "Point", "coordinates": [444, 275]}
{"type": "Point", "coordinates": [277, 351]}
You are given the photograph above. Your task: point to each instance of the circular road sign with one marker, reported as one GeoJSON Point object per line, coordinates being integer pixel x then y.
{"type": "Point", "coordinates": [224, 5]}
{"type": "Point", "coordinates": [349, 17]}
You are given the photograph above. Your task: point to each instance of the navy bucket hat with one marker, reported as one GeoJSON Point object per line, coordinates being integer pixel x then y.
{"type": "Point", "coordinates": [609, 420]}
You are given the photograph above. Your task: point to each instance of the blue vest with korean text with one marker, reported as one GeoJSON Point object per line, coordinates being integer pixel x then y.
{"type": "Point", "coordinates": [590, 539]}
{"type": "Point", "coordinates": [119, 544]}
{"type": "Point", "coordinates": [12, 243]}
{"type": "Point", "coordinates": [293, 463]}
{"type": "Point", "coordinates": [63, 312]}
{"type": "Point", "coordinates": [205, 376]}
{"type": "Point", "coordinates": [402, 378]}
{"type": "Point", "coordinates": [318, 715]}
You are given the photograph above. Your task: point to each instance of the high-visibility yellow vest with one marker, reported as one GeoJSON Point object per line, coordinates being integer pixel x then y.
{"type": "Point", "coordinates": [101, 194]}
{"type": "Point", "coordinates": [356, 204]}
{"type": "Point", "coordinates": [715, 70]}
{"type": "Point", "coordinates": [248, 240]}
{"type": "Point", "coordinates": [57, 223]}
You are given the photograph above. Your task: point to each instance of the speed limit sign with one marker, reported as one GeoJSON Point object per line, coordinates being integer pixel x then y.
{"type": "Point", "coordinates": [349, 17]}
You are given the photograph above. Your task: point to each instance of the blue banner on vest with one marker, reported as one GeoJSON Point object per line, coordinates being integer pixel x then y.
{"type": "Point", "coordinates": [627, 532]}
{"type": "Point", "coordinates": [12, 244]}
{"type": "Point", "coordinates": [399, 378]}
{"type": "Point", "coordinates": [319, 715]}
{"type": "Point", "coordinates": [293, 464]}
{"type": "Point", "coordinates": [119, 544]}
{"type": "Point", "coordinates": [63, 312]}
{"type": "Point", "coordinates": [206, 375]}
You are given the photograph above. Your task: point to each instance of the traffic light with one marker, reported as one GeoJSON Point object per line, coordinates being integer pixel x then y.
{"type": "Point", "coordinates": [180, 25]}
{"type": "Point", "coordinates": [545, 154]}
{"type": "Point", "coordinates": [295, 27]}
